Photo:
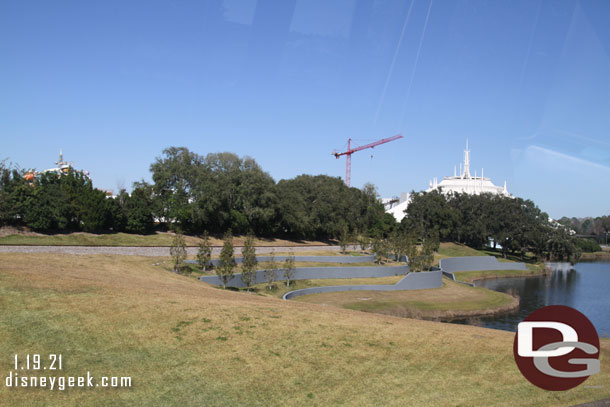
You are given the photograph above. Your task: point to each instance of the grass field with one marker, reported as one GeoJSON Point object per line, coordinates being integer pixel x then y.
{"type": "Point", "coordinates": [186, 344]}
{"type": "Point", "coordinates": [126, 239]}
{"type": "Point", "coordinates": [449, 301]}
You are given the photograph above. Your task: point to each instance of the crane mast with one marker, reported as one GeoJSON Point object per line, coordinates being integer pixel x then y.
{"type": "Point", "coordinates": [350, 151]}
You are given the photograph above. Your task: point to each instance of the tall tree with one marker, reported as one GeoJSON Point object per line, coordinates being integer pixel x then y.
{"type": "Point", "coordinates": [249, 262]}
{"type": "Point", "coordinates": [226, 266]}
{"type": "Point", "coordinates": [204, 253]}
{"type": "Point", "coordinates": [289, 269]}
{"type": "Point", "coordinates": [138, 209]}
{"type": "Point", "coordinates": [429, 246]}
{"type": "Point", "coordinates": [178, 252]}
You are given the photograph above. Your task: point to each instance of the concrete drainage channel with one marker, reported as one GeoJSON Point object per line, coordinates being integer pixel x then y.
{"type": "Point", "coordinates": [411, 281]}
{"type": "Point", "coordinates": [452, 265]}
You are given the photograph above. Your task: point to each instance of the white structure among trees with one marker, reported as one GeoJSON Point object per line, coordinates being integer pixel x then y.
{"type": "Point", "coordinates": [466, 183]}
{"type": "Point", "coordinates": [463, 183]}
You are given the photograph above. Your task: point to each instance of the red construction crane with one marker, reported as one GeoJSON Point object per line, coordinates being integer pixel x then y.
{"type": "Point", "coordinates": [350, 151]}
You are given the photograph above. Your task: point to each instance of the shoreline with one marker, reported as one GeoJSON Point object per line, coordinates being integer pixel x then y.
{"type": "Point", "coordinates": [542, 271]}
{"type": "Point", "coordinates": [605, 255]}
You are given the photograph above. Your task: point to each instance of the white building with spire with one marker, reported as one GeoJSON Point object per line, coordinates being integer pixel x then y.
{"type": "Point", "coordinates": [466, 182]}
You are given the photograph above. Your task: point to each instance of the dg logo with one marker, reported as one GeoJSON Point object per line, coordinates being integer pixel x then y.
{"type": "Point", "coordinates": [556, 348]}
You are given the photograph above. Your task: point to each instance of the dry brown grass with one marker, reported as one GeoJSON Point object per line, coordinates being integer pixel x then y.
{"type": "Point", "coordinates": [23, 237]}
{"type": "Point", "coordinates": [185, 344]}
{"type": "Point", "coordinates": [450, 301]}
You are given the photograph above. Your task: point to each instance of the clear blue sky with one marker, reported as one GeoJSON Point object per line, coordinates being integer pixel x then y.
{"type": "Point", "coordinates": [289, 81]}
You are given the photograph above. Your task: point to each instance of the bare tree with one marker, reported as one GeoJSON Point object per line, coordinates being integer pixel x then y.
{"type": "Point", "coordinates": [270, 271]}
{"type": "Point", "coordinates": [289, 269]}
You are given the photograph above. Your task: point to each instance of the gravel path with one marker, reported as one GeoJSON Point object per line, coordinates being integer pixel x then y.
{"type": "Point", "coordinates": [149, 251]}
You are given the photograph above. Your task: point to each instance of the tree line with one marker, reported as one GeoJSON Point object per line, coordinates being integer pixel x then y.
{"type": "Point", "coordinates": [192, 193]}
{"type": "Point", "coordinates": [516, 225]}
{"type": "Point", "coordinates": [598, 227]}
{"type": "Point", "coordinates": [218, 192]}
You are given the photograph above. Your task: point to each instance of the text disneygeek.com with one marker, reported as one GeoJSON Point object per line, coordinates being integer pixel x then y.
{"type": "Point", "coordinates": [20, 376]}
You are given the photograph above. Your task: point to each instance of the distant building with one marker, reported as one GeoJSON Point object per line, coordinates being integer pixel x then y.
{"type": "Point", "coordinates": [465, 183]}
{"type": "Point", "coordinates": [397, 206]}
{"type": "Point", "coordinates": [63, 167]}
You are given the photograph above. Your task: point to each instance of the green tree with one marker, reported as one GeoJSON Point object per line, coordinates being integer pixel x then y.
{"type": "Point", "coordinates": [249, 262]}
{"type": "Point", "coordinates": [318, 207]}
{"type": "Point", "coordinates": [139, 209]}
{"type": "Point", "coordinates": [178, 252]}
{"type": "Point", "coordinates": [226, 266]}
{"type": "Point", "coordinates": [204, 253]}
{"type": "Point", "coordinates": [175, 174]}
{"type": "Point", "coordinates": [587, 245]}
{"type": "Point", "coordinates": [380, 249]}
{"type": "Point", "coordinates": [431, 210]}
{"type": "Point", "coordinates": [289, 269]}
{"type": "Point", "coordinates": [429, 246]}
{"type": "Point", "coordinates": [398, 243]}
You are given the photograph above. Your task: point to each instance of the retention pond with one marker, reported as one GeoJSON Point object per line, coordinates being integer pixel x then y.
{"type": "Point", "coordinates": [585, 287]}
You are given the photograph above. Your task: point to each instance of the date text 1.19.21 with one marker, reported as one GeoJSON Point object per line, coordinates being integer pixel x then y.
{"type": "Point", "coordinates": [35, 362]}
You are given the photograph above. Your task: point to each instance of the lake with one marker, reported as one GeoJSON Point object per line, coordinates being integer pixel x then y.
{"type": "Point", "coordinates": [585, 287]}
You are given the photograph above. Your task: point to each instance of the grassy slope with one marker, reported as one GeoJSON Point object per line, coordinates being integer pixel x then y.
{"type": "Point", "coordinates": [188, 344]}
{"type": "Point", "coordinates": [460, 250]}
{"type": "Point", "coordinates": [126, 239]}
{"type": "Point", "coordinates": [470, 276]}
{"type": "Point", "coordinates": [450, 300]}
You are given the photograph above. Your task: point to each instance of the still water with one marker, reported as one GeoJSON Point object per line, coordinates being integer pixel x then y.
{"type": "Point", "coordinates": [586, 288]}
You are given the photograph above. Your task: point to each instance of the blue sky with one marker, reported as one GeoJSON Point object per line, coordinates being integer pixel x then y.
{"type": "Point", "coordinates": [287, 82]}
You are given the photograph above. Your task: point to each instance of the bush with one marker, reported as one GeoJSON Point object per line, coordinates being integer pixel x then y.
{"type": "Point", "coordinates": [588, 245]}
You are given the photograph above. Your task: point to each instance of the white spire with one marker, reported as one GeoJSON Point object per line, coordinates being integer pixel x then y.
{"type": "Point", "coordinates": [466, 173]}
{"type": "Point", "coordinates": [455, 171]}
{"type": "Point", "coordinates": [467, 161]}
{"type": "Point", "coordinates": [505, 190]}
{"type": "Point", "coordinates": [61, 157]}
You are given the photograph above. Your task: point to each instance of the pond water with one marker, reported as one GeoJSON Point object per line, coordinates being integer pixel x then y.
{"type": "Point", "coordinates": [585, 287]}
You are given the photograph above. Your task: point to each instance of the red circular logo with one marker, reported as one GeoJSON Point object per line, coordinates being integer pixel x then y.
{"type": "Point", "coordinates": [556, 348]}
